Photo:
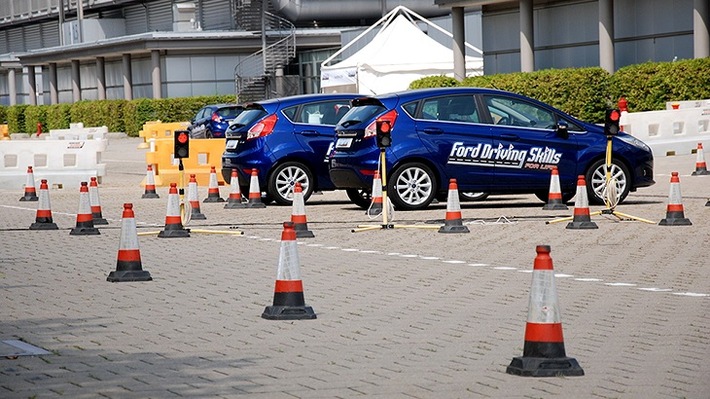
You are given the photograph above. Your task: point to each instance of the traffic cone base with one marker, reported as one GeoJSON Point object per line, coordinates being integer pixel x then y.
{"type": "Point", "coordinates": [302, 231]}
{"type": "Point", "coordinates": [150, 194]}
{"type": "Point", "coordinates": [555, 207]}
{"type": "Point", "coordinates": [675, 219]}
{"type": "Point", "coordinates": [544, 367]}
{"type": "Point", "coordinates": [29, 197]}
{"type": "Point", "coordinates": [196, 211]}
{"type": "Point", "coordinates": [118, 276]}
{"type": "Point", "coordinates": [255, 203]}
{"type": "Point", "coordinates": [44, 225]}
{"type": "Point", "coordinates": [234, 204]}
{"type": "Point", "coordinates": [84, 231]}
{"type": "Point", "coordinates": [554, 196]}
{"type": "Point", "coordinates": [174, 233]}
{"type": "Point", "coordinates": [288, 313]}
{"type": "Point", "coordinates": [453, 222]}
{"type": "Point", "coordinates": [700, 172]}
{"type": "Point", "coordinates": [675, 213]}
{"type": "Point", "coordinates": [99, 220]}
{"type": "Point", "coordinates": [582, 225]}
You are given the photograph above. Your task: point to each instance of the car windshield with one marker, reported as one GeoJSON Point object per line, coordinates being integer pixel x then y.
{"type": "Point", "coordinates": [229, 112]}
{"type": "Point", "coordinates": [248, 117]}
{"type": "Point", "coordinates": [361, 114]}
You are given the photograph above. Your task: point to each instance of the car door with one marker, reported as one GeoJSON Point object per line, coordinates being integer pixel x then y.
{"type": "Point", "coordinates": [527, 144]}
{"type": "Point", "coordinates": [450, 128]}
{"type": "Point", "coordinates": [198, 124]}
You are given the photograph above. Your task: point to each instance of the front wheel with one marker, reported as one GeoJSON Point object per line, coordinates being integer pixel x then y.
{"type": "Point", "coordinates": [360, 197]}
{"type": "Point", "coordinates": [412, 187]}
{"type": "Point", "coordinates": [284, 178]}
{"type": "Point", "coordinates": [596, 181]}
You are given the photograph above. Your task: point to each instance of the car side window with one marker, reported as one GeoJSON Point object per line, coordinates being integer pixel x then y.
{"type": "Point", "coordinates": [454, 108]}
{"type": "Point", "coordinates": [508, 111]}
{"type": "Point", "coordinates": [323, 113]}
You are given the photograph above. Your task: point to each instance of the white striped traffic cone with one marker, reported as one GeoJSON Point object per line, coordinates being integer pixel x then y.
{"type": "Point", "coordinates": [544, 350]}
{"type": "Point", "coordinates": [30, 189]}
{"type": "Point", "coordinates": [675, 214]}
{"type": "Point", "coordinates": [95, 202]}
{"type": "Point", "coordinates": [298, 214]}
{"type": "Point", "coordinates": [128, 262]}
{"type": "Point", "coordinates": [173, 220]}
{"type": "Point", "coordinates": [581, 218]}
{"type": "Point", "coordinates": [254, 200]}
{"type": "Point", "coordinates": [43, 219]}
{"type": "Point", "coordinates": [289, 303]}
{"type": "Point", "coordinates": [376, 204]}
{"type": "Point", "coordinates": [193, 199]}
{"type": "Point", "coordinates": [84, 219]}
{"type": "Point", "coordinates": [213, 188]}
{"type": "Point", "coordinates": [701, 167]}
{"type": "Point", "coordinates": [554, 197]}
{"type": "Point", "coordinates": [453, 222]}
{"type": "Point", "coordinates": [234, 201]}
{"type": "Point", "coordinates": [150, 184]}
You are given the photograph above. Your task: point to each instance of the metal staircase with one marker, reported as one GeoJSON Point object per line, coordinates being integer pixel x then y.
{"type": "Point", "coordinates": [259, 76]}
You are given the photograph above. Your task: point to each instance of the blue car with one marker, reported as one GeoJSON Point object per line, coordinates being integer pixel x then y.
{"type": "Point", "coordinates": [491, 141]}
{"type": "Point", "coordinates": [212, 120]}
{"type": "Point", "coordinates": [287, 140]}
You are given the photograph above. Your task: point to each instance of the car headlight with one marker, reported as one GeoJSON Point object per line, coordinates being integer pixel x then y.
{"type": "Point", "coordinates": [631, 140]}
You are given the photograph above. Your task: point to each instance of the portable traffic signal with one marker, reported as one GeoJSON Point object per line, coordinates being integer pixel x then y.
{"type": "Point", "coordinates": [182, 144]}
{"type": "Point", "coordinates": [384, 133]}
{"type": "Point", "coordinates": [611, 122]}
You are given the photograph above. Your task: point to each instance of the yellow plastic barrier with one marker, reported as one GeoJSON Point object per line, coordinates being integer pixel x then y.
{"type": "Point", "coordinates": [158, 129]}
{"type": "Point", "coordinates": [204, 153]}
{"type": "Point", "coordinates": [4, 132]}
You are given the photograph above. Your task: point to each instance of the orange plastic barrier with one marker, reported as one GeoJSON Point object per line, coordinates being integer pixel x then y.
{"type": "Point", "coordinates": [204, 153]}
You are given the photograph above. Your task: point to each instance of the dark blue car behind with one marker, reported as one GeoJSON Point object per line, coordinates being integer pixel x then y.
{"type": "Point", "coordinates": [489, 140]}
{"type": "Point", "coordinates": [287, 140]}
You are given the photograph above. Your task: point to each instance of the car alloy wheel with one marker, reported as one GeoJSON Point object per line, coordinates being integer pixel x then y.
{"type": "Point", "coordinates": [596, 181]}
{"type": "Point", "coordinates": [413, 187]}
{"type": "Point", "coordinates": [469, 196]}
{"type": "Point", "coordinates": [284, 178]}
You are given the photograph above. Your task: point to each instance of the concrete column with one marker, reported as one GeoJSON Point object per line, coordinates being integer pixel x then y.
{"type": "Point", "coordinates": [127, 79]}
{"type": "Point", "coordinates": [12, 85]}
{"type": "Point", "coordinates": [701, 35]}
{"type": "Point", "coordinates": [32, 84]}
{"type": "Point", "coordinates": [527, 41]}
{"type": "Point", "coordinates": [53, 92]}
{"type": "Point", "coordinates": [459, 33]}
{"type": "Point", "coordinates": [606, 35]}
{"type": "Point", "coordinates": [75, 81]}
{"type": "Point", "coordinates": [155, 75]}
{"type": "Point", "coordinates": [101, 77]}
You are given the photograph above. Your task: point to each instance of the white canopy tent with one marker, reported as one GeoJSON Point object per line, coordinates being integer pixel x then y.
{"type": "Point", "coordinates": [399, 54]}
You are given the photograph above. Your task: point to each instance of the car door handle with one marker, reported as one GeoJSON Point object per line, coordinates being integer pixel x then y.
{"type": "Point", "coordinates": [511, 137]}
{"type": "Point", "coordinates": [433, 130]}
{"type": "Point", "coordinates": [309, 133]}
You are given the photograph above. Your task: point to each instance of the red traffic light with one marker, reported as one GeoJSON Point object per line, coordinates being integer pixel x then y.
{"type": "Point", "coordinates": [614, 115]}
{"type": "Point", "coordinates": [384, 126]}
{"type": "Point", "coordinates": [182, 137]}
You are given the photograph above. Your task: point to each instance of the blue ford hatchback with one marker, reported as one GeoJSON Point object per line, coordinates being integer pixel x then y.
{"type": "Point", "coordinates": [287, 140]}
{"type": "Point", "coordinates": [489, 140]}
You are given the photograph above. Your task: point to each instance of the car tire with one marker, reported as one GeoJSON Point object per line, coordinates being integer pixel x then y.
{"type": "Point", "coordinates": [596, 180]}
{"type": "Point", "coordinates": [542, 196]}
{"type": "Point", "coordinates": [469, 196]}
{"type": "Point", "coordinates": [360, 197]}
{"type": "Point", "coordinates": [208, 134]}
{"type": "Point", "coordinates": [283, 179]}
{"type": "Point", "coordinates": [412, 187]}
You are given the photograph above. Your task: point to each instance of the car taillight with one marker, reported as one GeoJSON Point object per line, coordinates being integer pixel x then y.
{"type": "Point", "coordinates": [371, 129]}
{"type": "Point", "coordinates": [216, 118]}
{"type": "Point", "coordinates": [262, 128]}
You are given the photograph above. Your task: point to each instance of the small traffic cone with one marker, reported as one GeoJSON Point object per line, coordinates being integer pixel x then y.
{"type": "Point", "coordinates": [43, 220]}
{"type": "Point", "coordinates": [95, 202]}
{"type": "Point", "coordinates": [298, 214]}
{"type": "Point", "coordinates": [213, 188]}
{"type": "Point", "coordinates": [453, 222]}
{"type": "Point", "coordinates": [544, 349]}
{"type": "Point", "coordinates": [288, 292]}
{"type": "Point", "coordinates": [173, 221]}
{"type": "Point", "coordinates": [150, 184]}
{"type": "Point", "coordinates": [234, 201]}
{"type": "Point", "coordinates": [701, 167]}
{"type": "Point", "coordinates": [128, 263]}
{"type": "Point", "coordinates": [554, 198]}
{"type": "Point", "coordinates": [376, 204]}
{"type": "Point", "coordinates": [194, 200]}
{"type": "Point", "coordinates": [84, 219]}
{"type": "Point", "coordinates": [254, 200]}
{"type": "Point", "coordinates": [581, 219]}
{"type": "Point", "coordinates": [30, 190]}
{"type": "Point", "coordinates": [675, 214]}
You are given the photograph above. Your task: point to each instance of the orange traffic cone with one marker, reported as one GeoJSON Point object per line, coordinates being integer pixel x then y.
{"type": "Point", "coordinates": [95, 202]}
{"type": "Point", "coordinates": [43, 220]}
{"type": "Point", "coordinates": [128, 263]}
{"type": "Point", "coordinates": [298, 214]}
{"type": "Point", "coordinates": [150, 184]}
{"type": "Point", "coordinates": [173, 221]}
{"type": "Point", "coordinates": [376, 204]}
{"type": "Point", "coordinates": [213, 188]}
{"type": "Point", "coordinates": [581, 219]}
{"type": "Point", "coordinates": [254, 200]}
{"type": "Point", "coordinates": [30, 190]}
{"type": "Point", "coordinates": [84, 220]}
{"type": "Point", "coordinates": [544, 349]}
{"type": "Point", "coordinates": [194, 200]}
{"type": "Point", "coordinates": [288, 292]}
{"type": "Point", "coordinates": [234, 201]}
{"type": "Point", "coordinates": [701, 167]}
{"type": "Point", "coordinates": [675, 214]}
{"type": "Point", "coordinates": [453, 222]}
{"type": "Point", "coordinates": [554, 198]}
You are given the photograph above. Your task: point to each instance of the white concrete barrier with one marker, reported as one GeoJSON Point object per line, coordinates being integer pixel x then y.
{"type": "Point", "coordinates": [77, 131]}
{"type": "Point", "coordinates": [688, 104]}
{"type": "Point", "coordinates": [669, 132]}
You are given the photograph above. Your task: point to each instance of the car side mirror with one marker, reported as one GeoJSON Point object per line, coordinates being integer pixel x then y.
{"type": "Point", "coordinates": [562, 129]}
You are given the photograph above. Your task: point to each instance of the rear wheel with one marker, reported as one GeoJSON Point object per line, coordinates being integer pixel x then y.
{"type": "Point", "coordinates": [412, 187]}
{"type": "Point", "coordinates": [596, 181]}
{"type": "Point", "coordinates": [542, 196]}
{"type": "Point", "coordinates": [208, 133]}
{"type": "Point", "coordinates": [468, 196]}
{"type": "Point", "coordinates": [360, 197]}
{"type": "Point", "coordinates": [284, 178]}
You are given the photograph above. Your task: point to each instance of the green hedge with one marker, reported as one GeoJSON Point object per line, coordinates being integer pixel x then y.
{"type": "Point", "coordinates": [35, 115]}
{"type": "Point", "coordinates": [59, 116]}
{"type": "Point", "coordinates": [16, 118]}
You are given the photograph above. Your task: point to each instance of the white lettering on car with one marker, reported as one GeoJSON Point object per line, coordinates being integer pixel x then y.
{"type": "Point", "coordinates": [504, 157]}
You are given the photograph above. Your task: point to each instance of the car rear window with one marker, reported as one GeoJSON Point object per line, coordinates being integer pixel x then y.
{"type": "Point", "coordinates": [248, 117]}
{"type": "Point", "coordinates": [229, 112]}
{"type": "Point", "coordinates": [360, 114]}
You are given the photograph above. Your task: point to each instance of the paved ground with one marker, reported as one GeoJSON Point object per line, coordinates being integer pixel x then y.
{"type": "Point", "coordinates": [406, 313]}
